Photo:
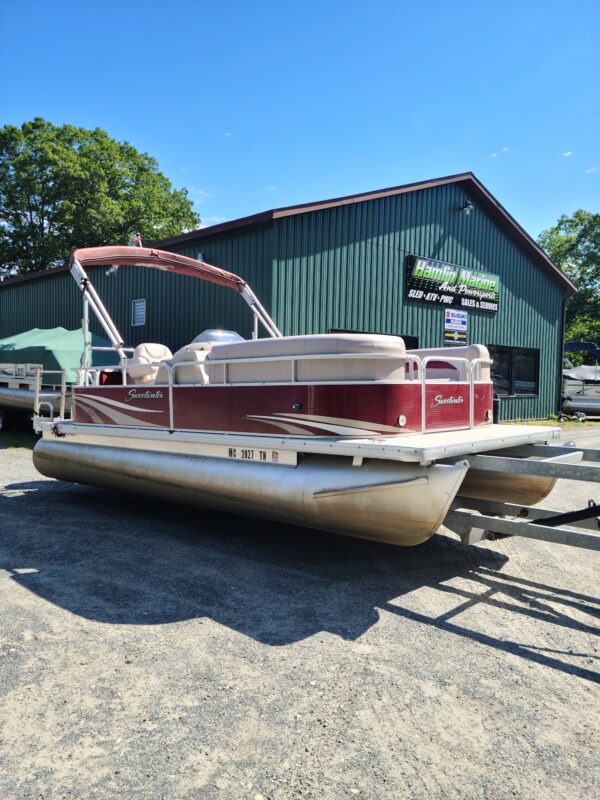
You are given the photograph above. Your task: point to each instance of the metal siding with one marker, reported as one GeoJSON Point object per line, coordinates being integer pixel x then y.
{"type": "Point", "coordinates": [45, 303]}
{"type": "Point", "coordinates": [178, 308]}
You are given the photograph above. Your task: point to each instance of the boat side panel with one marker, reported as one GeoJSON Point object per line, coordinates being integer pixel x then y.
{"type": "Point", "coordinates": [295, 409]}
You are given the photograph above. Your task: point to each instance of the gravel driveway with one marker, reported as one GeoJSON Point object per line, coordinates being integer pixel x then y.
{"type": "Point", "coordinates": [151, 651]}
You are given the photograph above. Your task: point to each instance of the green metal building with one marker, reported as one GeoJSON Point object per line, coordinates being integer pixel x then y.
{"type": "Point", "coordinates": [437, 262]}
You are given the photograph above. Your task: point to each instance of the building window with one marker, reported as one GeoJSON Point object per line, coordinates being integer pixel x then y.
{"type": "Point", "coordinates": [138, 312]}
{"type": "Point", "coordinates": [515, 370]}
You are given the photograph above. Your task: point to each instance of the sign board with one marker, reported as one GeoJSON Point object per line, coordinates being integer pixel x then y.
{"type": "Point", "coordinates": [431, 281]}
{"type": "Point", "coordinates": [455, 327]}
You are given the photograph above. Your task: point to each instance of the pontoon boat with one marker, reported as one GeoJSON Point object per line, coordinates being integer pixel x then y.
{"type": "Point", "coordinates": [344, 432]}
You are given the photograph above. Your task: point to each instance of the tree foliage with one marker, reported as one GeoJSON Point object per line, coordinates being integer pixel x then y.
{"type": "Point", "coordinates": [63, 187]}
{"type": "Point", "coordinates": [574, 245]}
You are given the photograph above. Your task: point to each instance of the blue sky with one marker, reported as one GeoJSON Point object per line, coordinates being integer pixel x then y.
{"type": "Point", "coordinates": [255, 105]}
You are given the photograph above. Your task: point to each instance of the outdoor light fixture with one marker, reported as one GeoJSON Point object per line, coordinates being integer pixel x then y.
{"type": "Point", "coordinates": [467, 208]}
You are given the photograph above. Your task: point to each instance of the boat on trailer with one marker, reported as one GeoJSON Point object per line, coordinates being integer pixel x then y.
{"type": "Point", "coordinates": [344, 432]}
{"type": "Point", "coordinates": [581, 385]}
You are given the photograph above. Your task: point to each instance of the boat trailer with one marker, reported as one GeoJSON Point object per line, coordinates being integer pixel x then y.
{"type": "Point", "coordinates": [511, 451]}
{"type": "Point", "coordinates": [477, 520]}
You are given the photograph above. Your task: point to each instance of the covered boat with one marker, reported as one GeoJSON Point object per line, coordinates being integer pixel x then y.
{"type": "Point", "coordinates": [54, 352]}
{"type": "Point", "coordinates": [345, 432]}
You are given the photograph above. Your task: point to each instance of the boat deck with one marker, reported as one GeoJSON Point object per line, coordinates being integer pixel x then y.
{"type": "Point", "coordinates": [415, 448]}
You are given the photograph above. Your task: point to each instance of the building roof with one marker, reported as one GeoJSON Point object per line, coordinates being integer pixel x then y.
{"type": "Point", "coordinates": [473, 186]}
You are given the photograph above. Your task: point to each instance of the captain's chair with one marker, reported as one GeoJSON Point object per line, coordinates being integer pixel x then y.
{"type": "Point", "coordinates": [139, 367]}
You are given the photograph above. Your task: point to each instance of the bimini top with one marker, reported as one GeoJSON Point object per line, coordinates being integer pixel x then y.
{"type": "Point", "coordinates": [157, 259]}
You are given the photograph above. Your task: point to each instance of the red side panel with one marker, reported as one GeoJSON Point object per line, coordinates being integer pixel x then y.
{"type": "Point", "coordinates": [292, 409]}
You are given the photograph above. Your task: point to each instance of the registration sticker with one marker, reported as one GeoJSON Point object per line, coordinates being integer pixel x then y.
{"type": "Point", "coordinates": [261, 455]}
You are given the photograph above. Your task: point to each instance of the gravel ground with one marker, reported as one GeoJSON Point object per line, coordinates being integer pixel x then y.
{"type": "Point", "coordinates": [149, 651]}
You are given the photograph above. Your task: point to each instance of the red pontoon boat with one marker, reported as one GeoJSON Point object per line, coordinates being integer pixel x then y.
{"type": "Point", "coordinates": [345, 432]}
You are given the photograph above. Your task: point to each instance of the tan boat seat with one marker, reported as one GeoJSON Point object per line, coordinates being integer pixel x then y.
{"type": "Point", "coordinates": [139, 366]}
{"type": "Point", "coordinates": [310, 369]}
{"type": "Point", "coordinates": [191, 360]}
{"type": "Point", "coordinates": [437, 370]}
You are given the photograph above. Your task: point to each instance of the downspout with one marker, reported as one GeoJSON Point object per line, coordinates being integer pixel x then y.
{"type": "Point", "coordinates": [563, 327]}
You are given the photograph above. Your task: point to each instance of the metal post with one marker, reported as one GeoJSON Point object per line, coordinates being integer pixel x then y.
{"type": "Point", "coordinates": [36, 393]}
{"type": "Point", "coordinates": [259, 311]}
{"type": "Point", "coordinates": [63, 393]}
{"type": "Point", "coordinates": [472, 393]}
{"type": "Point", "coordinates": [97, 306]}
{"type": "Point", "coordinates": [170, 373]}
{"type": "Point", "coordinates": [86, 334]}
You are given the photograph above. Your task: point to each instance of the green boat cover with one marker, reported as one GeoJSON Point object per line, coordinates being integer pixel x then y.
{"type": "Point", "coordinates": [54, 349]}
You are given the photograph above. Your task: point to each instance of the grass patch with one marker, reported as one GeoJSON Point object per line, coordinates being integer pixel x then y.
{"type": "Point", "coordinates": [549, 423]}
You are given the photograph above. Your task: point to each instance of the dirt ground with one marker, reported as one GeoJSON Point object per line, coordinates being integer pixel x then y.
{"type": "Point", "coordinates": [151, 651]}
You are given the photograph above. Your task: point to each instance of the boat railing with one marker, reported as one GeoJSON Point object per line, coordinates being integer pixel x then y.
{"type": "Point", "coordinates": [39, 399]}
{"type": "Point", "coordinates": [416, 372]}
{"type": "Point", "coordinates": [469, 371]}
{"type": "Point", "coordinates": [294, 359]}
{"type": "Point", "coordinates": [90, 376]}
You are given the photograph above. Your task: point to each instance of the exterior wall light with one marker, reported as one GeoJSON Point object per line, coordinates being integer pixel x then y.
{"type": "Point", "coordinates": [467, 208]}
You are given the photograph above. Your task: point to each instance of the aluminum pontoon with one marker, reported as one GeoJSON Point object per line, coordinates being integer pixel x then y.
{"type": "Point", "coordinates": [343, 432]}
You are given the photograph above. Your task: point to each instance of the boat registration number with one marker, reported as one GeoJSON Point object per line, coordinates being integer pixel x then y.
{"type": "Point", "coordinates": [266, 456]}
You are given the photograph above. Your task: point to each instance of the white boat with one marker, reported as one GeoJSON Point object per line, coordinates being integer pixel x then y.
{"type": "Point", "coordinates": [344, 432]}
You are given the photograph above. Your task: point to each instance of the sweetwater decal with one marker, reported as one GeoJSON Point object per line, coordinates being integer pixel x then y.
{"type": "Point", "coordinates": [432, 281]}
{"type": "Point", "coordinates": [135, 394]}
{"type": "Point", "coordinates": [440, 400]}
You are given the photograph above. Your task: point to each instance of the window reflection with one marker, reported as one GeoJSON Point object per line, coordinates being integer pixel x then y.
{"type": "Point", "coordinates": [515, 370]}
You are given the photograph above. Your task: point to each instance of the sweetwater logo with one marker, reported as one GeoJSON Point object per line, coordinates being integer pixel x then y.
{"type": "Point", "coordinates": [439, 400]}
{"type": "Point", "coordinates": [134, 394]}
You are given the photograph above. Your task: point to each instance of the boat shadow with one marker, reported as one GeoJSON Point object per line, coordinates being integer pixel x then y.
{"type": "Point", "coordinates": [18, 436]}
{"type": "Point", "coordinates": [116, 559]}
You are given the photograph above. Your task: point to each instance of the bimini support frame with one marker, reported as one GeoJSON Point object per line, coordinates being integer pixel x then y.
{"type": "Point", "coordinates": [154, 259]}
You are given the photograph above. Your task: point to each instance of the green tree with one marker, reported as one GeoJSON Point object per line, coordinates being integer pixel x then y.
{"type": "Point", "coordinates": [574, 245]}
{"type": "Point", "coordinates": [63, 187]}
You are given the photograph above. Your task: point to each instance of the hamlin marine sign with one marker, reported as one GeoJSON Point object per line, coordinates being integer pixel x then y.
{"type": "Point", "coordinates": [431, 281]}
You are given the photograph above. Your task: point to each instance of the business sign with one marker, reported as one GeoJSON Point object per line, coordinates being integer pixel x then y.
{"type": "Point", "coordinates": [455, 326]}
{"type": "Point", "coordinates": [431, 281]}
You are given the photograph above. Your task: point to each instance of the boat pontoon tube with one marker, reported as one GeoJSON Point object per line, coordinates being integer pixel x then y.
{"type": "Point", "coordinates": [506, 487]}
{"type": "Point", "coordinates": [393, 502]}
